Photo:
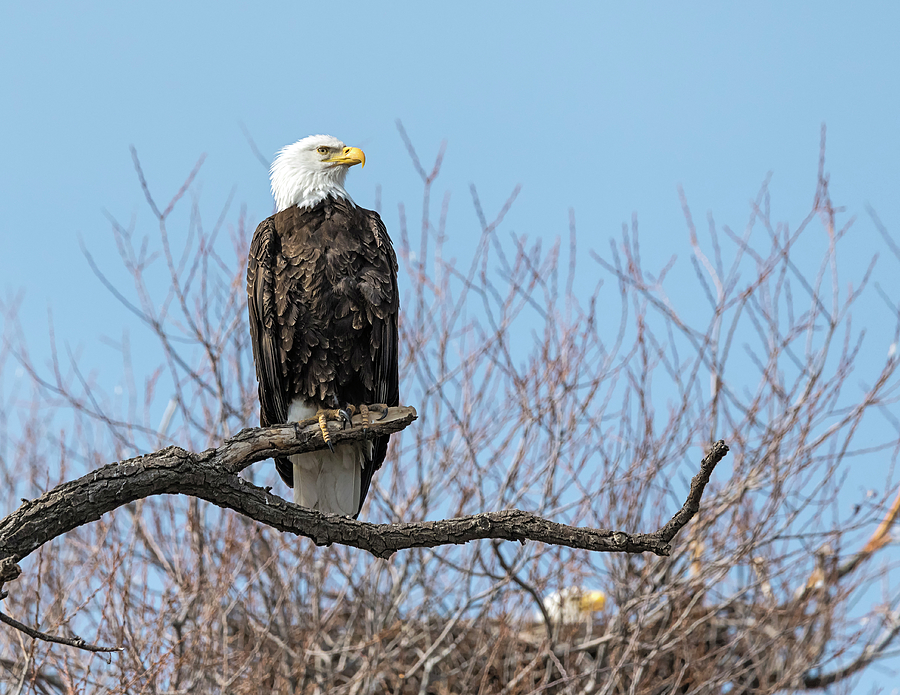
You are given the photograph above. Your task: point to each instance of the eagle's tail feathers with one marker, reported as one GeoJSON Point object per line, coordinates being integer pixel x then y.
{"type": "Point", "coordinates": [329, 482]}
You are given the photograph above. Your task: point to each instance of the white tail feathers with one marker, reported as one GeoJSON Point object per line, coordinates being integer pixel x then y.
{"type": "Point", "coordinates": [329, 482]}
{"type": "Point", "coordinates": [324, 481]}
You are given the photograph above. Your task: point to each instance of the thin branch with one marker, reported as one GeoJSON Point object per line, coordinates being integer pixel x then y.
{"type": "Point", "coordinates": [880, 538]}
{"type": "Point", "coordinates": [868, 655]}
{"type": "Point", "coordinates": [253, 148]}
{"type": "Point", "coordinates": [143, 181]}
{"type": "Point", "coordinates": [75, 641]}
{"type": "Point", "coordinates": [698, 485]}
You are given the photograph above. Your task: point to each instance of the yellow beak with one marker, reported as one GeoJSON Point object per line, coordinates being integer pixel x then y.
{"type": "Point", "coordinates": [592, 601]}
{"type": "Point", "coordinates": [349, 156]}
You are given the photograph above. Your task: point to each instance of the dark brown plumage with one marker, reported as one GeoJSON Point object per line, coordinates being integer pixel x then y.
{"type": "Point", "coordinates": [323, 299]}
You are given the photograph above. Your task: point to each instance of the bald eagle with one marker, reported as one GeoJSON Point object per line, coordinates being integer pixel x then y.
{"type": "Point", "coordinates": [323, 301]}
{"type": "Point", "coordinates": [572, 605]}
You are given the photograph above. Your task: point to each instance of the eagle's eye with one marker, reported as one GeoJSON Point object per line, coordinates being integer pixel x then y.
{"type": "Point", "coordinates": [322, 150]}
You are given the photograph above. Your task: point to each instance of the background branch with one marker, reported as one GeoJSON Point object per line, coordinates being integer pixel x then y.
{"type": "Point", "coordinates": [75, 641]}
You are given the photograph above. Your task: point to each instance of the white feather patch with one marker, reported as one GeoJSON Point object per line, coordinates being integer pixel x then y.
{"type": "Point", "coordinates": [299, 177]}
{"type": "Point", "coordinates": [325, 481]}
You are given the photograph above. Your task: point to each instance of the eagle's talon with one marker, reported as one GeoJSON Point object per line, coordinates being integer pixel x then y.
{"type": "Point", "coordinates": [322, 416]}
{"type": "Point", "coordinates": [364, 414]}
{"type": "Point", "coordinates": [383, 408]}
{"type": "Point", "coordinates": [346, 417]}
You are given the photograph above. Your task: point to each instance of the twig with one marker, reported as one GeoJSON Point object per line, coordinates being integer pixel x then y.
{"type": "Point", "coordinates": [698, 484]}
{"type": "Point", "coordinates": [253, 148]}
{"type": "Point", "coordinates": [76, 641]}
{"type": "Point", "coordinates": [868, 655]}
{"type": "Point", "coordinates": [880, 538]}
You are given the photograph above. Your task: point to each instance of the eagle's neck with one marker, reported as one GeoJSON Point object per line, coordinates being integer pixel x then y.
{"type": "Point", "coordinates": [294, 184]}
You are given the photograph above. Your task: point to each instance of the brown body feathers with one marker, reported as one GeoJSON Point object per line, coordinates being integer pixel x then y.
{"type": "Point", "coordinates": [323, 300]}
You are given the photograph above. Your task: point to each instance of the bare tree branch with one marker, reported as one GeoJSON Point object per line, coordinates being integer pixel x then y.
{"type": "Point", "coordinates": [868, 655]}
{"type": "Point", "coordinates": [75, 641]}
{"type": "Point", "coordinates": [212, 475]}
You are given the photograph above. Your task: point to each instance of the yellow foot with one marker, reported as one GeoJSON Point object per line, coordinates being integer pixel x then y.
{"type": "Point", "coordinates": [364, 413]}
{"type": "Point", "coordinates": [323, 416]}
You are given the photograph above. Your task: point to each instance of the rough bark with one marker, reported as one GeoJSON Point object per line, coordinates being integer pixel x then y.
{"type": "Point", "coordinates": [212, 475]}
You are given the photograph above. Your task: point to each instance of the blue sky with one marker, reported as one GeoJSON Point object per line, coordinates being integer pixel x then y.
{"type": "Point", "coordinates": [603, 107]}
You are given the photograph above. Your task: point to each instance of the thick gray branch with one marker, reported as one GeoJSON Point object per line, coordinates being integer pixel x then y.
{"type": "Point", "coordinates": [212, 475]}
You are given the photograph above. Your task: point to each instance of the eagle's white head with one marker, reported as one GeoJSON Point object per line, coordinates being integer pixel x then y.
{"type": "Point", "coordinates": [571, 605]}
{"type": "Point", "coordinates": [311, 170]}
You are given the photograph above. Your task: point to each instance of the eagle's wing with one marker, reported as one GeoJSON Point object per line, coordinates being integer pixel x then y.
{"type": "Point", "coordinates": [267, 352]}
{"type": "Point", "coordinates": [385, 337]}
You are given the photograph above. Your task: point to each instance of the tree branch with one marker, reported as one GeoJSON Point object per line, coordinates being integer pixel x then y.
{"type": "Point", "coordinates": [869, 654]}
{"type": "Point", "coordinates": [212, 475]}
{"type": "Point", "coordinates": [75, 641]}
